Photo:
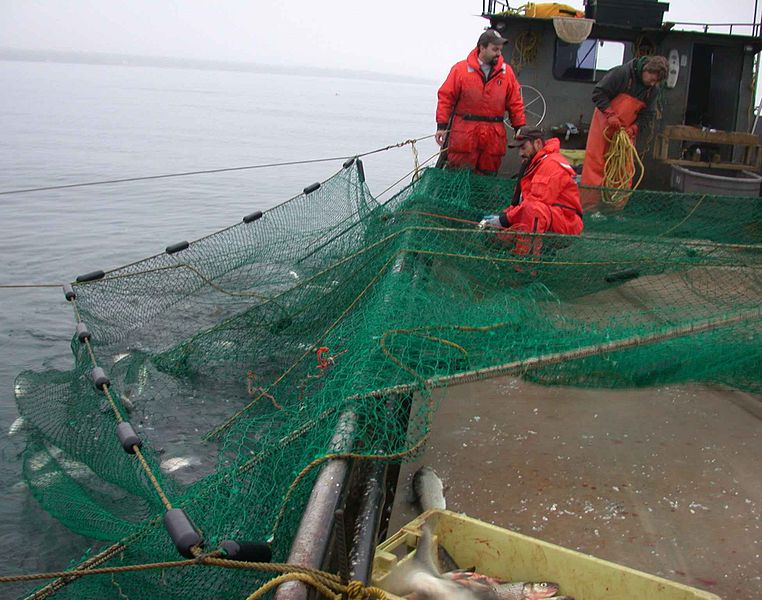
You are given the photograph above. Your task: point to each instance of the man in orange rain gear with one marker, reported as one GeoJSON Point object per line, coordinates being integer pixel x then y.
{"type": "Point", "coordinates": [619, 98]}
{"type": "Point", "coordinates": [546, 197]}
{"type": "Point", "coordinates": [472, 103]}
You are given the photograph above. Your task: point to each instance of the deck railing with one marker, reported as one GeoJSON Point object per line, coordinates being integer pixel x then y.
{"type": "Point", "coordinates": [752, 29]}
{"type": "Point", "coordinates": [494, 7]}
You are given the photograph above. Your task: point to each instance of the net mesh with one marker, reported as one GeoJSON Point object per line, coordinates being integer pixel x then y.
{"type": "Point", "coordinates": [239, 358]}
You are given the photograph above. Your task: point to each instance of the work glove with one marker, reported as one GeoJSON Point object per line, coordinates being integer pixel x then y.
{"type": "Point", "coordinates": [490, 221]}
{"type": "Point", "coordinates": [613, 121]}
{"type": "Point", "coordinates": [632, 131]}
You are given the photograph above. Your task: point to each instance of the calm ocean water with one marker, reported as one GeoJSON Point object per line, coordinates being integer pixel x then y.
{"type": "Point", "coordinates": [62, 124]}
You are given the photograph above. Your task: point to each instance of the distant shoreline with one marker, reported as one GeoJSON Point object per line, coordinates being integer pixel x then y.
{"type": "Point", "coordinates": [166, 62]}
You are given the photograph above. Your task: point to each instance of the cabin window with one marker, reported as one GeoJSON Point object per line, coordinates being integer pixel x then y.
{"type": "Point", "coordinates": [589, 60]}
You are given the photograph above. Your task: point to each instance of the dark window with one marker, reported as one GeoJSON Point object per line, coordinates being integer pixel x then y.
{"type": "Point", "coordinates": [589, 60]}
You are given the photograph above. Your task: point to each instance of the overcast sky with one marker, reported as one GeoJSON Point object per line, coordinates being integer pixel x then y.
{"type": "Point", "coordinates": [410, 37]}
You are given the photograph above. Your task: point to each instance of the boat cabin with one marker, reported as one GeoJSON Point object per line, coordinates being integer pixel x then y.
{"type": "Point", "coordinates": [559, 59]}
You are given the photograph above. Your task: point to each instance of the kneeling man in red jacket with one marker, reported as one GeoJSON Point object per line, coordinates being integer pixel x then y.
{"type": "Point", "coordinates": [547, 196]}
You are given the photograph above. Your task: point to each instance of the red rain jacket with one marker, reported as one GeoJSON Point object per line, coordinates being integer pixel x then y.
{"type": "Point", "coordinates": [549, 195]}
{"type": "Point", "coordinates": [479, 144]}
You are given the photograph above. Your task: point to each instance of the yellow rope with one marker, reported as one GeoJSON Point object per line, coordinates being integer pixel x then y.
{"type": "Point", "coordinates": [303, 577]}
{"type": "Point", "coordinates": [524, 49]}
{"type": "Point", "coordinates": [152, 478]}
{"type": "Point", "coordinates": [346, 456]}
{"type": "Point", "coordinates": [354, 590]}
{"type": "Point", "coordinates": [118, 416]}
{"type": "Point", "coordinates": [328, 584]}
{"type": "Point", "coordinates": [688, 216]}
{"type": "Point", "coordinates": [418, 332]}
{"type": "Point", "coordinates": [619, 170]}
{"type": "Point", "coordinates": [101, 571]}
{"type": "Point", "coordinates": [644, 46]}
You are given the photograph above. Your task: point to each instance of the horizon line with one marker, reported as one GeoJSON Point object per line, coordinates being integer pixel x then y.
{"type": "Point", "coordinates": [202, 64]}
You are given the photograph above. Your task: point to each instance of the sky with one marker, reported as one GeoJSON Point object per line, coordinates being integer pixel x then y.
{"type": "Point", "coordinates": [420, 38]}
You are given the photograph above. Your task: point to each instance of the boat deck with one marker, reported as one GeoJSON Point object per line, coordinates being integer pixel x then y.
{"type": "Point", "coordinates": [664, 480]}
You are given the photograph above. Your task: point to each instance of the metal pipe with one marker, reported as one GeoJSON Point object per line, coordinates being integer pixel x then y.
{"type": "Point", "coordinates": [310, 544]}
{"type": "Point", "coordinates": [380, 486]}
{"type": "Point", "coordinates": [368, 519]}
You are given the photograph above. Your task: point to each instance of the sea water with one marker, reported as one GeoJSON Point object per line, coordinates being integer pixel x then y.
{"type": "Point", "coordinates": [71, 123]}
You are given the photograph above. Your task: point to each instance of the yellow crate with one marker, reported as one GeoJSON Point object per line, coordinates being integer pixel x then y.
{"type": "Point", "coordinates": [575, 157]}
{"type": "Point", "coordinates": [511, 556]}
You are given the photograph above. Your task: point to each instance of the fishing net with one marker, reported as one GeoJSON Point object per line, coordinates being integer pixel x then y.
{"type": "Point", "coordinates": [240, 358]}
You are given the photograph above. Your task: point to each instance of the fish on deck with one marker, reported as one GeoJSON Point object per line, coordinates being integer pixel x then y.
{"type": "Point", "coordinates": [428, 490]}
{"type": "Point", "coordinates": [419, 579]}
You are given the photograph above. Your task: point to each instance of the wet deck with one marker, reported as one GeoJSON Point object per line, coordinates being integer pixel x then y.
{"type": "Point", "coordinates": [666, 480]}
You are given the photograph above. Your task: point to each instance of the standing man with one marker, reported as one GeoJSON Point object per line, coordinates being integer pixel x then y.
{"type": "Point", "coordinates": [546, 197]}
{"type": "Point", "coordinates": [472, 103]}
{"type": "Point", "coordinates": [619, 98]}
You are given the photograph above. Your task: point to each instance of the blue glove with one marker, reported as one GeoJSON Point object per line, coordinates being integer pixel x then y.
{"type": "Point", "coordinates": [490, 221]}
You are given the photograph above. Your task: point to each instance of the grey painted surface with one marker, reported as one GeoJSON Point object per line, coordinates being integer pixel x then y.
{"type": "Point", "coordinates": [731, 94]}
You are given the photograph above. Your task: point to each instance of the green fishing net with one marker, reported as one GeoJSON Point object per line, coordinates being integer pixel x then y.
{"type": "Point", "coordinates": [239, 359]}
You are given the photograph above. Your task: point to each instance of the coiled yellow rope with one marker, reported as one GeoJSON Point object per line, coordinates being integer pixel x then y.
{"type": "Point", "coordinates": [524, 49]}
{"type": "Point", "coordinates": [621, 165]}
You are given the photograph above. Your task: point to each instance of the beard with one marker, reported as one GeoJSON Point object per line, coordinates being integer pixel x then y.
{"type": "Point", "coordinates": [526, 160]}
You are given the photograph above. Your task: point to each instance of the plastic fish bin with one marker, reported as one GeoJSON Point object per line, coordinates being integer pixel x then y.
{"type": "Point", "coordinates": [714, 181]}
{"type": "Point", "coordinates": [511, 556]}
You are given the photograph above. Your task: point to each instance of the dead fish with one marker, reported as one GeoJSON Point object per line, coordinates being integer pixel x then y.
{"type": "Point", "coordinates": [125, 398]}
{"type": "Point", "coordinates": [446, 561]}
{"type": "Point", "coordinates": [38, 461]}
{"type": "Point", "coordinates": [120, 356]}
{"type": "Point", "coordinates": [19, 486]}
{"type": "Point", "coordinates": [142, 379]}
{"type": "Point", "coordinates": [428, 490]}
{"type": "Point", "coordinates": [16, 426]}
{"type": "Point", "coordinates": [179, 462]}
{"type": "Point", "coordinates": [417, 578]}
{"type": "Point", "coordinates": [527, 591]}
{"type": "Point", "coordinates": [20, 390]}
{"type": "Point", "coordinates": [506, 590]}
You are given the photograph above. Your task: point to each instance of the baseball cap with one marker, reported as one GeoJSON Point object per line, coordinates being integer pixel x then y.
{"type": "Point", "coordinates": [491, 36]}
{"type": "Point", "coordinates": [527, 133]}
